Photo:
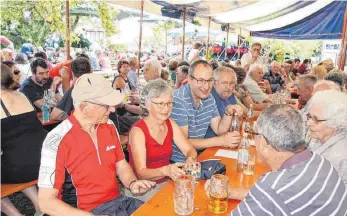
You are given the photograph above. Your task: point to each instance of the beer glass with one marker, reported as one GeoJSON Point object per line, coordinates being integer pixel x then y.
{"type": "Point", "coordinates": [248, 168]}
{"type": "Point", "coordinates": [184, 195]}
{"type": "Point", "coordinates": [218, 194]}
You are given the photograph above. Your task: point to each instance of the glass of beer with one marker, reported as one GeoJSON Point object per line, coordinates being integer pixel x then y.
{"type": "Point", "coordinates": [218, 199]}
{"type": "Point", "coordinates": [248, 168]}
{"type": "Point", "coordinates": [184, 195]}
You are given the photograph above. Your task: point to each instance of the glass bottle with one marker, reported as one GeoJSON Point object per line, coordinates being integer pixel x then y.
{"type": "Point", "coordinates": [243, 153]}
{"type": "Point", "coordinates": [235, 123]}
{"type": "Point", "coordinates": [45, 107]}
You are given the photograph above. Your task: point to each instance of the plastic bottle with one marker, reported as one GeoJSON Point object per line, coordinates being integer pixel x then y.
{"type": "Point", "coordinates": [243, 153]}
{"type": "Point", "coordinates": [45, 108]}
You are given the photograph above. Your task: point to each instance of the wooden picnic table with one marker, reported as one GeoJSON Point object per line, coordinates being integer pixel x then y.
{"type": "Point", "coordinates": [162, 203]}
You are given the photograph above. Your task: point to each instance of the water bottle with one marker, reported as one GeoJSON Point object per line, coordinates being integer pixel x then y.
{"type": "Point", "coordinates": [45, 108]}
{"type": "Point", "coordinates": [243, 153]}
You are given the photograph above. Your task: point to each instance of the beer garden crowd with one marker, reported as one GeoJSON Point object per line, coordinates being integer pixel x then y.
{"type": "Point", "coordinates": [180, 109]}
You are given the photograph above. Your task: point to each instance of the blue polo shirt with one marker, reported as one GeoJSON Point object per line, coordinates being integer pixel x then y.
{"type": "Point", "coordinates": [185, 113]}
{"type": "Point", "coordinates": [221, 105]}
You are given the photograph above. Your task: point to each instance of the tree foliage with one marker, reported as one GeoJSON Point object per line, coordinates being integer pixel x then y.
{"type": "Point", "coordinates": [160, 35]}
{"type": "Point", "coordinates": [281, 49]}
{"type": "Point", "coordinates": [32, 19]}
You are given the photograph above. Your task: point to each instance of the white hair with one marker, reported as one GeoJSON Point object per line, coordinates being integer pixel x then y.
{"type": "Point", "coordinates": [333, 103]}
{"type": "Point", "coordinates": [254, 67]}
{"type": "Point", "coordinates": [222, 69]}
{"type": "Point", "coordinates": [275, 63]}
{"type": "Point", "coordinates": [330, 85]}
{"type": "Point", "coordinates": [155, 66]}
{"type": "Point", "coordinates": [155, 88]}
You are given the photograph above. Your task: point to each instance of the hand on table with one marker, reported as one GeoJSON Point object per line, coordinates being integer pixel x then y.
{"type": "Point", "coordinates": [174, 171]}
{"type": "Point", "coordinates": [140, 187]}
{"type": "Point", "coordinates": [231, 139]}
{"type": "Point", "coordinates": [233, 193]}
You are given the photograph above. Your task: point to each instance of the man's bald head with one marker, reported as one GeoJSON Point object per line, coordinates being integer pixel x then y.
{"type": "Point", "coordinates": [323, 85]}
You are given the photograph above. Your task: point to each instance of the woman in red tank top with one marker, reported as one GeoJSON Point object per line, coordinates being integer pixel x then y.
{"type": "Point", "coordinates": [150, 139]}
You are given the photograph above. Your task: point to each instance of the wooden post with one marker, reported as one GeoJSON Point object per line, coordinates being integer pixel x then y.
{"type": "Point", "coordinates": [208, 37]}
{"type": "Point", "coordinates": [227, 42]}
{"type": "Point", "coordinates": [184, 32]}
{"type": "Point", "coordinates": [140, 38]}
{"type": "Point", "coordinates": [239, 42]}
{"type": "Point", "coordinates": [343, 52]}
{"type": "Point", "coordinates": [67, 39]}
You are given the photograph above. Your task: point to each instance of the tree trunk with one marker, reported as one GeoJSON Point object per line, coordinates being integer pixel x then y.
{"type": "Point", "coordinates": [74, 24]}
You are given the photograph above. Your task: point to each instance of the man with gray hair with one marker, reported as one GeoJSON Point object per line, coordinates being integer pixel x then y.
{"type": "Point", "coordinates": [275, 78]}
{"type": "Point", "coordinates": [336, 77]}
{"type": "Point", "coordinates": [223, 92]}
{"type": "Point", "coordinates": [255, 76]}
{"type": "Point", "coordinates": [301, 182]}
{"type": "Point", "coordinates": [305, 87]}
{"type": "Point", "coordinates": [151, 69]}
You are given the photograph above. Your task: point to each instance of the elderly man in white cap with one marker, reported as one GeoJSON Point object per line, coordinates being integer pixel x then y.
{"type": "Point", "coordinates": [82, 156]}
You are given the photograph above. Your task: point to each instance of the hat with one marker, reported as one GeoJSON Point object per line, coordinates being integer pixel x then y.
{"type": "Point", "coordinates": [89, 87]}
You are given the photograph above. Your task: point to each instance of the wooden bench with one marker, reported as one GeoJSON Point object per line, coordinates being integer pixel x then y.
{"type": "Point", "coordinates": [8, 189]}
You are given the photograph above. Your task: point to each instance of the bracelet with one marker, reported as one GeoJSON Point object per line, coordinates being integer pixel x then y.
{"type": "Point", "coordinates": [133, 181]}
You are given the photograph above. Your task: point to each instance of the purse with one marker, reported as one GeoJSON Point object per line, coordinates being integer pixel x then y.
{"type": "Point", "coordinates": [211, 167]}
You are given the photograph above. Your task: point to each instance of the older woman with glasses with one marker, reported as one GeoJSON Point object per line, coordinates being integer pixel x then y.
{"type": "Point", "coordinates": [150, 139]}
{"type": "Point", "coordinates": [327, 122]}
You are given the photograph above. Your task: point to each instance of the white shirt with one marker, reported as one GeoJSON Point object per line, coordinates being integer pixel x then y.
{"type": "Point", "coordinates": [257, 94]}
{"type": "Point", "coordinates": [248, 56]}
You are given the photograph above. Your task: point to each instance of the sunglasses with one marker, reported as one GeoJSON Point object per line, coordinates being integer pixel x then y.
{"type": "Point", "coordinates": [16, 72]}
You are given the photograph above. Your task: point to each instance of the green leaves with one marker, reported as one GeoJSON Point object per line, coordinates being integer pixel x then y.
{"type": "Point", "coordinates": [32, 19]}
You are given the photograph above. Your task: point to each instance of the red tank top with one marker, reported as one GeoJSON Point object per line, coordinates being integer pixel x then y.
{"type": "Point", "coordinates": [55, 70]}
{"type": "Point", "coordinates": [156, 155]}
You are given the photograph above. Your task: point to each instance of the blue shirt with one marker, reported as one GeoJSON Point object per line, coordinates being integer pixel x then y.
{"type": "Point", "coordinates": [221, 105]}
{"type": "Point", "coordinates": [186, 113]}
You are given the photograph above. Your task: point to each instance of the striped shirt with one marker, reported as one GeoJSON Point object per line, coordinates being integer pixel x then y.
{"type": "Point", "coordinates": [309, 187]}
{"type": "Point", "coordinates": [186, 113]}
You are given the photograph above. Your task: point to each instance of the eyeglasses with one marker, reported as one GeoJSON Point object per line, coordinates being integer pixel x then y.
{"type": "Point", "coordinates": [314, 118]}
{"type": "Point", "coordinates": [16, 72]}
{"type": "Point", "coordinates": [256, 50]}
{"type": "Point", "coordinates": [251, 131]}
{"type": "Point", "coordinates": [203, 81]}
{"type": "Point", "coordinates": [161, 105]}
{"type": "Point", "coordinates": [227, 84]}
{"type": "Point", "coordinates": [103, 105]}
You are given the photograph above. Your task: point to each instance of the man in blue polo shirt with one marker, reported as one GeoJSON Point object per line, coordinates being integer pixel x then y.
{"type": "Point", "coordinates": [195, 110]}
{"type": "Point", "coordinates": [223, 93]}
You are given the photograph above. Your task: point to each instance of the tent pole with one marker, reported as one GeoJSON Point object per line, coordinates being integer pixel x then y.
{"type": "Point", "coordinates": [140, 38]}
{"type": "Point", "coordinates": [184, 31]}
{"type": "Point", "coordinates": [67, 34]}
{"type": "Point", "coordinates": [227, 42]}
{"type": "Point", "coordinates": [208, 37]}
{"type": "Point", "coordinates": [343, 52]}
{"type": "Point", "coordinates": [239, 43]}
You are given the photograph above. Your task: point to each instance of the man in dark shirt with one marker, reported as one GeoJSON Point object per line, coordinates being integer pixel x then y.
{"type": "Point", "coordinates": [34, 86]}
{"type": "Point", "coordinates": [274, 77]}
{"type": "Point", "coordinates": [79, 66]}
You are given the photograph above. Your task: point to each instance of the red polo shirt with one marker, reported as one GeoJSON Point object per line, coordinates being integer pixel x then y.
{"type": "Point", "coordinates": [83, 172]}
